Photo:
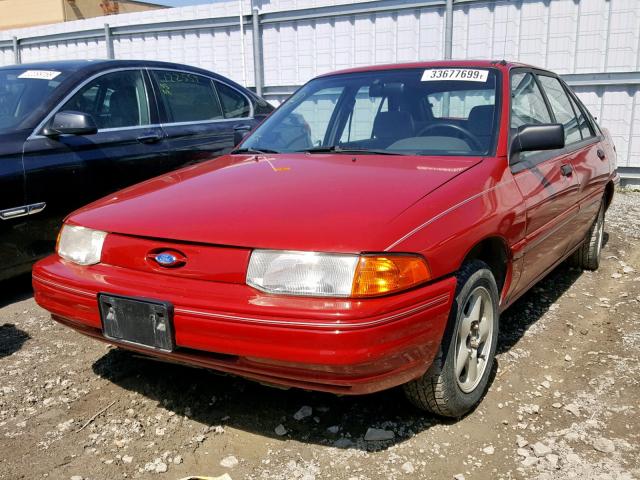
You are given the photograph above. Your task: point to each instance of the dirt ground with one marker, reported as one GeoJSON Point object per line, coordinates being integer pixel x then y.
{"type": "Point", "coordinates": [563, 402]}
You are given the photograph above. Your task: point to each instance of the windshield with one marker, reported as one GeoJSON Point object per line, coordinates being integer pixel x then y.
{"type": "Point", "coordinates": [432, 111]}
{"type": "Point", "coordinates": [21, 91]}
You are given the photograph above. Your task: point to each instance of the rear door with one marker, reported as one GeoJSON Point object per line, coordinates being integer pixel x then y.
{"type": "Point", "coordinates": [69, 171]}
{"type": "Point", "coordinates": [547, 182]}
{"type": "Point", "coordinates": [595, 166]}
{"type": "Point", "coordinates": [237, 109]}
{"type": "Point", "coordinates": [199, 114]}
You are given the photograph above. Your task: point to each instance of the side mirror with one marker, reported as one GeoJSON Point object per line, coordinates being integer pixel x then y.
{"type": "Point", "coordinates": [538, 137]}
{"type": "Point", "coordinates": [240, 132]}
{"type": "Point", "coordinates": [71, 123]}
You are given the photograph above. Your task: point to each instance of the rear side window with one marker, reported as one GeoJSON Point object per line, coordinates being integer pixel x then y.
{"type": "Point", "coordinates": [114, 100]}
{"type": "Point", "coordinates": [187, 97]}
{"type": "Point", "coordinates": [527, 103]}
{"type": "Point", "coordinates": [583, 122]}
{"type": "Point", "coordinates": [562, 108]}
{"type": "Point", "coordinates": [234, 104]}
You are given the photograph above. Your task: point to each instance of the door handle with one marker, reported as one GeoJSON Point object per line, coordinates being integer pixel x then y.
{"type": "Point", "coordinates": [601, 154]}
{"type": "Point", "coordinates": [566, 170]}
{"type": "Point", "coordinates": [152, 138]}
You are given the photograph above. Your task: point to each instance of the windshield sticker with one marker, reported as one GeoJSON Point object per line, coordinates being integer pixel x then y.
{"type": "Point", "coordinates": [39, 74]}
{"type": "Point", "coordinates": [460, 74]}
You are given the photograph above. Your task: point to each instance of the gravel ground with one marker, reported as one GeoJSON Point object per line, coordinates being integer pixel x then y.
{"type": "Point", "coordinates": [563, 402]}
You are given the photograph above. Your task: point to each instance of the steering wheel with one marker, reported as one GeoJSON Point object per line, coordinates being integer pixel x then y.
{"type": "Point", "coordinates": [473, 140]}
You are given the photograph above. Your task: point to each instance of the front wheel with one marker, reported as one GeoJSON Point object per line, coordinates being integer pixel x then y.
{"type": "Point", "coordinates": [458, 377]}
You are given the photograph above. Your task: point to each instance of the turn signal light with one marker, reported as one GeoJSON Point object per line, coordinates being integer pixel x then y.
{"type": "Point", "coordinates": [382, 274]}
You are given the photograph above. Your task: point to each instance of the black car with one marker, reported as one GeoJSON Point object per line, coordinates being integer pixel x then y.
{"type": "Point", "coordinates": [74, 131]}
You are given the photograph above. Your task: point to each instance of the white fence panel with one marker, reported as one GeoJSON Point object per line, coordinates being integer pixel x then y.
{"type": "Point", "coordinates": [305, 38]}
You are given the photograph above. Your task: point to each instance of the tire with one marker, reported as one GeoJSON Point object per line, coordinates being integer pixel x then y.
{"type": "Point", "coordinates": [440, 390]}
{"type": "Point", "coordinates": [587, 256]}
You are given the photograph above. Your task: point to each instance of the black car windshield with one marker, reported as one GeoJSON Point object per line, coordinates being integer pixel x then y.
{"type": "Point", "coordinates": [22, 90]}
{"type": "Point", "coordinates": [425, 111]}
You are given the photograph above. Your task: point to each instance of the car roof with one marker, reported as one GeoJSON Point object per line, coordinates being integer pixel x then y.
{"type": "Point", "coordinates": [90, 66]}
{"type": "Point", "coordinates": [95, 64]}
{"type": "Point", "coordinates": [83, 68]}
{"type": "Point", "coordinates": [502, 64]}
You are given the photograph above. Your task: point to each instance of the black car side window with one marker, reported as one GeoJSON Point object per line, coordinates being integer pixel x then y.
{"type": "Point", "coordinates": [562, 108]}
{"type": "Point", "coordinates": [114, 100]}
{"type": "Point", "coordinates": [187, 97]}
{"type": "Point", "coordinates": [234, 104]}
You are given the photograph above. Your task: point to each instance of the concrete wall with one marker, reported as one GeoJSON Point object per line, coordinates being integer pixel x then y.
{"type": "Point", "coordinates": [24, 13]}
{"type": "Point", "coordinates": [83, 9]}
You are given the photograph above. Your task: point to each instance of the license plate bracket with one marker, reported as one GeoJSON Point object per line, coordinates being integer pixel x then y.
{"type": "Point", "coordinates": [137, 321]}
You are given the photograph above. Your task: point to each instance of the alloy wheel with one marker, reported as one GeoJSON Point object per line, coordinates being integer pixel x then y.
{"type": "Point", "coordinates": [474, 337]}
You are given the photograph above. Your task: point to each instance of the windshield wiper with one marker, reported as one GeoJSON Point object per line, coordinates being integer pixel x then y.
{"type": "Point", "coordinates": [339, 149]}
{"type": "Point", "coordinates": [253, 150]}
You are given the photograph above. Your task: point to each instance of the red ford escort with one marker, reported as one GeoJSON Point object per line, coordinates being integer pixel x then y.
{"type": "Point", "coordinates": [367, 235]}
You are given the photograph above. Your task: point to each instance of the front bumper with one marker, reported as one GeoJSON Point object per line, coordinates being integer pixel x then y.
{"type": "Point", "coordinates": [349, 346]}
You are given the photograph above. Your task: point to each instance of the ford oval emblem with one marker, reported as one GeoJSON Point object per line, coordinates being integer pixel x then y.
{"type": "Point", "coordinates": [166, 259]}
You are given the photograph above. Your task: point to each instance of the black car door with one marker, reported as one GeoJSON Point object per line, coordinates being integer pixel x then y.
{"type": "Point", "coordinates": [199, 114]}
{"type": "Point", "coordinates": [14, 211]}
{"type": "Point", "coordinates": [68, 171]}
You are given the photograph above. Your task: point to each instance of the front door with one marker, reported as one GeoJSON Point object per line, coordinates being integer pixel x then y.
{"type": "Point", "coordinates": [547, 182]}
{"type": "Point", "coordinates": [69, 171]}
{"type": "Point", "coordinates": [14, 211]}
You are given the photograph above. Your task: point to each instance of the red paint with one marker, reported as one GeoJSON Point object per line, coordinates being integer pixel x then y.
{"type": "Point", "coordinates": [215, 213]}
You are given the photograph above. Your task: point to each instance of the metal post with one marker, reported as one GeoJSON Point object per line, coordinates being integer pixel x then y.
{"type": "Point", "coordinates": [108, 40]}
{"type": "Point", "coordinates": [242, 52]}
{"type": "Point", "coordinates": [448, 32]}
{"type": "Point", "coordinates": [16, 50]}
{"type": "Point", "coordinates": [257, 51]}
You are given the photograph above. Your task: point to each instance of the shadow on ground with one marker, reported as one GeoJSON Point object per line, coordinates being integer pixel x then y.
{"type": "Point", "coordinates": [15, 290]}
{"type": "Point", "coordinates": [259, 409]}
{"type": "Point", "coordinates": [11, 291]}
{"type": "Point", "coordinates": [11, 339]}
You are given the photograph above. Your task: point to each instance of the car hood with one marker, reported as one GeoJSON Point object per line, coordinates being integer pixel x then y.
{"type": "Point", "coordinates": [320, 202]}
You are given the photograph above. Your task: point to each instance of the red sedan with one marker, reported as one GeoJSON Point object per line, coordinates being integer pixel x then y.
{"type": "Point", "coordinates": [367, 235]}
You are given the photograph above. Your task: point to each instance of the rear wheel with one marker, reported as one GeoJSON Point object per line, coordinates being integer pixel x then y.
{"type": "Point", "coordinates": [458, 377]}
{"type": "Point", "coordinates": [587, 256]}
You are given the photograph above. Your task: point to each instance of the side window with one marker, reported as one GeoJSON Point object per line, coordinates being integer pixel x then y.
{"type": "Point", "coordinates": [234, 104]}
{"type": "Point", "coordinates": [562, 109]}
{"type": "Point", "coordinates": [187, 97]}
{"type": "Point", "coordinates": [527, 102]}
{"type": "Point", "coordinates": [114, 100]}
{"type": "Point", "coordinates": [361, 118]}
{"type": "Point", "coordinates": [583, 122]}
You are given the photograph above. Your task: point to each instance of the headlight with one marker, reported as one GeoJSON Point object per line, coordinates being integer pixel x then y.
{"type": "Point", "coordinates": [80, 245]}
{"type": "Point", "coordinates": [334, 275]}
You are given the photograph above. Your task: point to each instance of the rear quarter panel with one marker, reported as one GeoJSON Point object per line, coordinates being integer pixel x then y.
{"type": "Point", "coordinates": [610, 150]}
